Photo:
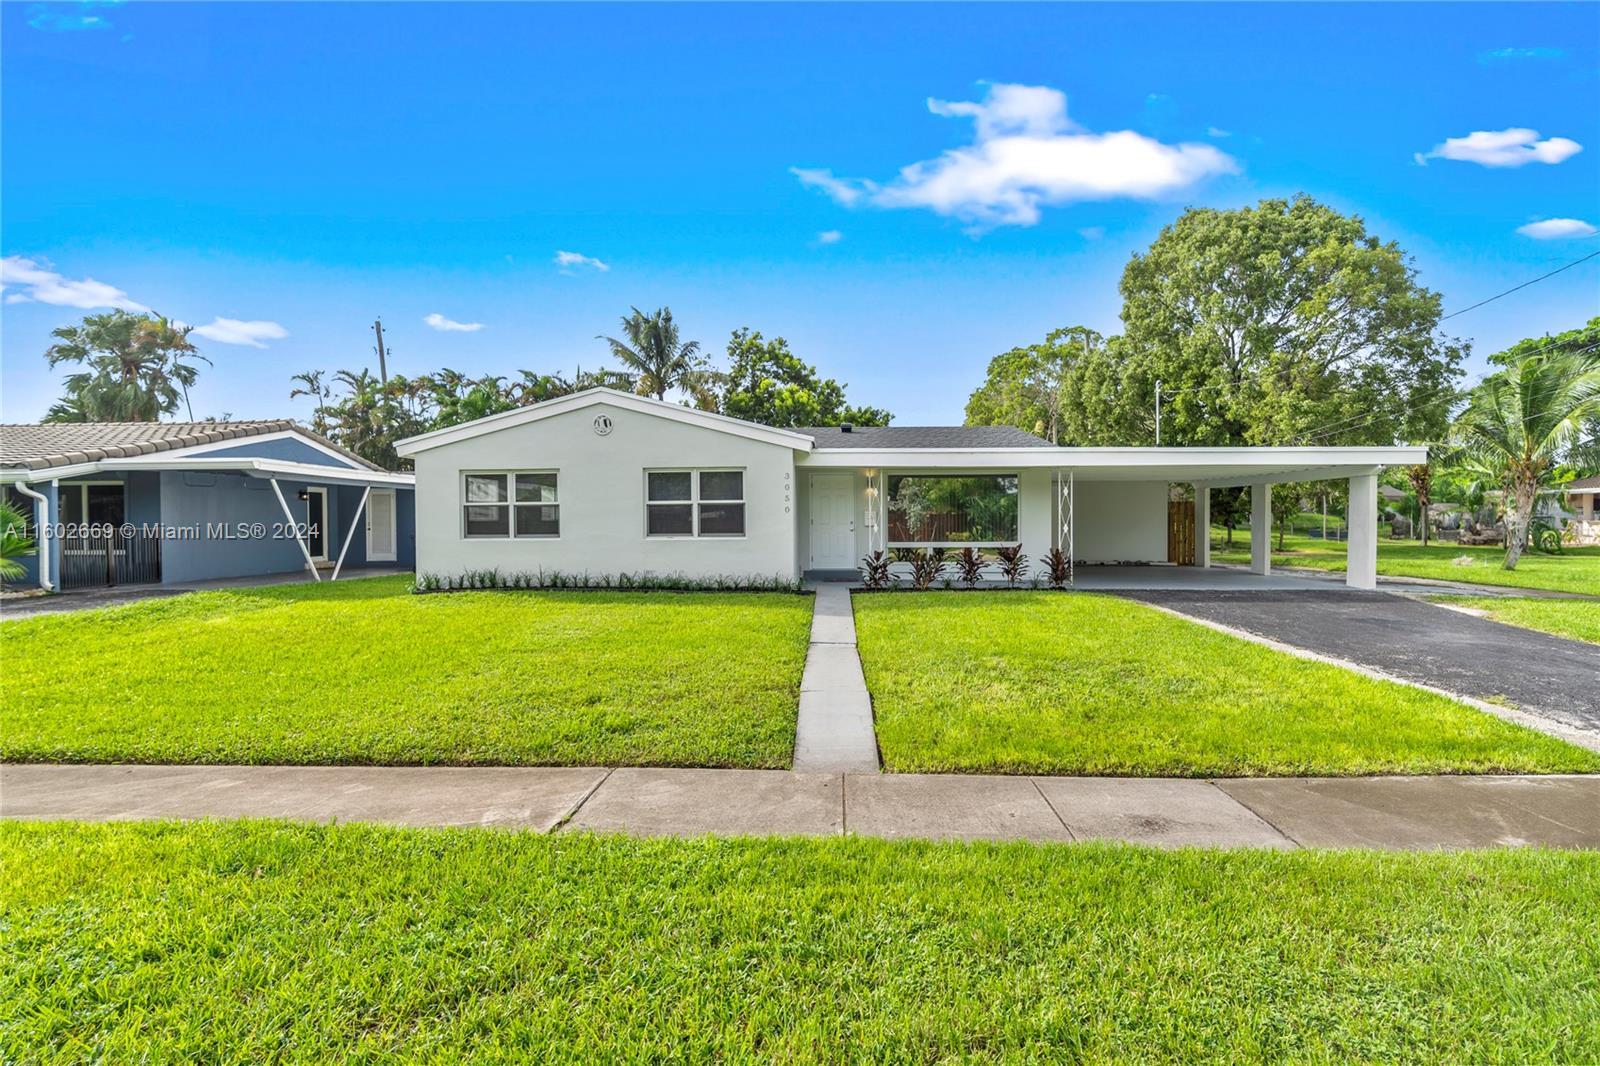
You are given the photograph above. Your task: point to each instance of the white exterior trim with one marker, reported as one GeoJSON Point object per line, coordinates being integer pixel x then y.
{"type": "Point", "coordinates": [612, 397]}
{"type": "Point", "coordinates": [243, 464]}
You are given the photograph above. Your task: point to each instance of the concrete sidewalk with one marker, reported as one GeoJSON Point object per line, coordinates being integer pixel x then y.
{"type": "Point", "coordinates": [1381, 812]}
{"type": "Point", "coordinates": [833, 730]}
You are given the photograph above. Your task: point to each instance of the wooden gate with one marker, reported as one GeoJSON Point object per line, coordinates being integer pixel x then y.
{"type": "Point", "coordinates": [1180, 532]}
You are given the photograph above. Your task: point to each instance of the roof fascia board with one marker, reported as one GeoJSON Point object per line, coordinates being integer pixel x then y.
{"type": "Point", "coordinates": [589, 398]}
{"type": "Point", "coordinates": [242, 464]}
{"type": "Point", "coordinates": [1176, 459]}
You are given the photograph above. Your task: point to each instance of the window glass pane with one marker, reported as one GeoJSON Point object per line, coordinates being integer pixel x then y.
{"type": "Point", "coordinates": [676, 519]}
{"type": "Point", "coordinates": [722, 485]}
{"type": "Point", "coordinates": [488, 521]}
{"type": "Point", "coordinates": [536, 488]}
{"type": "Point", "coordinates": [931, 509]}
{"type": "Point", "coordinates": [722, 519]}
{"type": "Point", "coordinates": [71, 504]}
{"type": "Point", "coordinates": [106, 505]}
{"type": "Point", "coordinates": [486, 488]}
{"type": "Point", "coordinates": [537, 521]}
{"type": "Point", "coordinates": [669, 485]}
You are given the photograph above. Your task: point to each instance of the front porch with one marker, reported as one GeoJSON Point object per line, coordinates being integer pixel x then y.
{"type": "Point", "coordinates": [1115, 520]}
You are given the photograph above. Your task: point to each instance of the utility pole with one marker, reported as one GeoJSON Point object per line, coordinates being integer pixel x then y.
{"type": "Point", "coordinates": [383, 363]}
{"type": "Point", "coordinates": [1158, 412]}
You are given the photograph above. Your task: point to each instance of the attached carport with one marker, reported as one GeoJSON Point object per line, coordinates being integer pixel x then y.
{"type": "Point", "coordinates": [1257, 469]}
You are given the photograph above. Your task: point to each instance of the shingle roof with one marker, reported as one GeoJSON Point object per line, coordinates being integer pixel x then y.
{"type": "Point", "coordinates": [1584, 483]}
{"type": "Point", "coordinates": [923, 437]}
{"type": "Point", "coordinates": [39, 446]}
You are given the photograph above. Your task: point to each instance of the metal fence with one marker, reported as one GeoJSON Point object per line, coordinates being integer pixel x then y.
{"type": "Point", "coordinates": [110, 558]}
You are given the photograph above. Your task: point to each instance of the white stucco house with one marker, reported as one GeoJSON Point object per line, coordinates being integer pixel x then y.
{"type": "Point", "coordinates": [605, 482]}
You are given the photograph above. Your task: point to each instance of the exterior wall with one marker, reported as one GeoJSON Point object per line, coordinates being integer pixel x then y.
{"type": "Point", "coordinates": [601, 489]}
{"type": "Point", "coordinates": [291, 449]}
{"type": "Point", "coordinates": [1120, 522]}
{"type": "Point", "coordinates": [205, 498]}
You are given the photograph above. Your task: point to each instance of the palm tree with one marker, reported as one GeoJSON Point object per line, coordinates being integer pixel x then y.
{"type": "Point", "coordinates": [654, 354]}
{"type": "Point", "coordinates": [134, 367]}
{"type": "Point", "coordinates": [311, 385]}
{"type": "Point", "coordinates": [1522, 422]}
{"type": "Point", "coordinates": [14, 542]}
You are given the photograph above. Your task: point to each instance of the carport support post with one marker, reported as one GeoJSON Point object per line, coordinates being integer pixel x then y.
{"type": "Point", "coordinates": [1261, 528]}
{"type": "Point", "coordinates": [1202, 526]}
{"type": "Point", "coordinates": [294, 527]}
{"type": "Point", "coordinates": [1361, 567]}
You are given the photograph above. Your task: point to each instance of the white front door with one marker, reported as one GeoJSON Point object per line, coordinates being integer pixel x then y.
{"type": "Point", "coordinates": [833, 525]}
{"type": "Point", "coordinates": [380, 526]}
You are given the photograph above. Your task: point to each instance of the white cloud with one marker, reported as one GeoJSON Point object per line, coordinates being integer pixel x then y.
{"type": "Point", "coordinates": [1551, 229]}
{"type": "Point", "coordinates": [1503, 148]}
{"type": "Point", "coordinates": [1217, 131]}
{"type": "Point", "coordinates": [1512, 55]}
{"type": "Point", "coordinates": [830, 236]}
{"type": "Point", "coordinates": [35, 282]}
{"type": "Point", "coordinates": [235, 331]}
{"type": "Point", "coordinates": [447, 325]}
{"type": "Point", "coordinates": [1092, 233]}
{"type": "Point", "coordinates": [570, 261]}
{"type": "Point", "coordinates": [1027, 154]}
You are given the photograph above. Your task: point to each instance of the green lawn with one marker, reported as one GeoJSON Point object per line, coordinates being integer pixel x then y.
{"type": "Point", "coordinates": [1577, 619]}
{"type": "Point", "coordinates": [365, 672]}
{"type": "Point", "coordinates": [261, 941]}
{"type": "Point", "coordinates": [1574, 570]}
{"type": "Point", "coordinates": [1073, 683]}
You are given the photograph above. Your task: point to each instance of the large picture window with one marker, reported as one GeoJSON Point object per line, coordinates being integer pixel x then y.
{"type": "Point", "coordinates": [514, 503]}
{"type": "Point", "coordinates": [694, 503]}
{"type": "Point", "coordinates": [952, 509]}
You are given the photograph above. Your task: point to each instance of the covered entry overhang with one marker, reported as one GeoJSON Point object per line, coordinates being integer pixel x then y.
{"type": "Point", "coordinates": [1056, 485]}
{"type": "Point", "coordinates": [34, 483]}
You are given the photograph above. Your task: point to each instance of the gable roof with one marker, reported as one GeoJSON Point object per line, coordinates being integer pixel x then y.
{"type": "Point", "coordinates": [880, 437]}
{"type": "Point", "coordinates": [41, 446]}
{"type": "Point", "coordinates": [1583, 483]}
{"type": "Point", "coordinates": [612, 398]}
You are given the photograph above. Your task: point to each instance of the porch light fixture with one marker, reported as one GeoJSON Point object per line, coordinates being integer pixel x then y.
{"type": "Point", "coordinates": [303, 494]}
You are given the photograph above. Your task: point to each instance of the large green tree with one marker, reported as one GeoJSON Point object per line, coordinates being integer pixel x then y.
{"type": "Point", "coordinates": [136, 368]}
{"type": "Point", "coordinates": [1286, 322]}
{"type": "Point", "coordinates": [1069, 389]}
{"type": "Point", "coordinates": [1525, 421]}
{"type": "Point", "coordinates": [767, 383]}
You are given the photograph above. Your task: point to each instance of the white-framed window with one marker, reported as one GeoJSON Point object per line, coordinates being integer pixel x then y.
{"type": "Point", "coordinates": [694, 503]}
{"type": "Point", "coordinates": [509, 503]}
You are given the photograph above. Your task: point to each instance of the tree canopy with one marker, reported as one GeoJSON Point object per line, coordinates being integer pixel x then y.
{"type": "Point", "coordinates": [767, 383]}
{"type": "Point", "coordinates": [1286, 322]}
{"type": "Point", "coordinates": [136, 368]}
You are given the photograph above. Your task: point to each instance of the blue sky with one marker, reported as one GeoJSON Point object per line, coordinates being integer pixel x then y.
{"type": "Point", "coordinates": [282, 174]}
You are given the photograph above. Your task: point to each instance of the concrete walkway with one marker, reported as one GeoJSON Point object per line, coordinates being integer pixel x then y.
{"type": "Point", "coordinates": [1381, 812]}
{"type": "Point", "coordinates": [834, 732]}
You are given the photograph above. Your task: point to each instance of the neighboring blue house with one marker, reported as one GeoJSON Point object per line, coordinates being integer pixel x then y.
{"type": "Point", "coordinates": [135, 502]}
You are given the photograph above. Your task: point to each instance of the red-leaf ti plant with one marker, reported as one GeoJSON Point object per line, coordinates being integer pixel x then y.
{"type": "Point", "coordinates": [969, 563]}
{"type": "Point", "coordinates": [926, 566]}
{"type": "Point", "coordinates": [1057, 567]}
{"type": "Point", "coordinates": [1013, 564]}
{"type": "Point", "coordinates": [875, 571]}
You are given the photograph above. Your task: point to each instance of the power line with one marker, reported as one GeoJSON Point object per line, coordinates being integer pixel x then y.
{"type": "Point", "coordinates": [1524, 285]}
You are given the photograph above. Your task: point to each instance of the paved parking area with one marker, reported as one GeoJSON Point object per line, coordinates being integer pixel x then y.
{"type": "Point", "coordinates": [1382, 812]}
{"type": "Point", "coordinates": [1551, 676]}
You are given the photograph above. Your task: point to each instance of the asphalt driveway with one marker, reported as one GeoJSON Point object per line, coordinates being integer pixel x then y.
{"type": "Point", "coordinates": [1551, 676]}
